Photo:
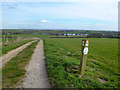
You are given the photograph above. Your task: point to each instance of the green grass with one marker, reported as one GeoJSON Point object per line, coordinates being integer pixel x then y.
{"type": "Point", "coordinates": [9, 39]}
{"type": "Point", "coordinates": [6, 48]}
{"type": "Point", "coordinates": [64, 55]}
{"type": "Point", "coordinates": [31, 35]}
{"type": "Point", "coordinates": [14, 70]}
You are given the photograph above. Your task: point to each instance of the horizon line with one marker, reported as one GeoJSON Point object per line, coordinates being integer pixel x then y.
{"type": "Point", "coordinates": [62, 29]}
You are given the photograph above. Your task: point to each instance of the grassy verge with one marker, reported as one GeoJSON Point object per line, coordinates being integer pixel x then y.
{"type": "Point", "coordinates": [14, 70]}
{"type": "Point", "coordinates": [14, 45]}
{"type": "Point", "coordinates": [63, 59]}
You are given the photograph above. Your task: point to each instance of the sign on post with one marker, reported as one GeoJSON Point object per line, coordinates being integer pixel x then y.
{"type": "Point", "coordinates": [84, 50]}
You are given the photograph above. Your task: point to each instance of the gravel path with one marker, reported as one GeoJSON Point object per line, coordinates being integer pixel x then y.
{"type": "Point", "coordinates": [36, 76]}
{"type": "Point", "coordinates": [6, 57]}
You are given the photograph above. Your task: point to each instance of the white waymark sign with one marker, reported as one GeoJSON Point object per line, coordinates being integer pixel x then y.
{"type": "Point", "coordinates": [85, 51]}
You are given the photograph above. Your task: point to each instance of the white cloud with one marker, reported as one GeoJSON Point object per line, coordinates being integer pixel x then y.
{"type": "Point", "coordinates": [89, 10]}
{"type": "Point", "coordinates": [45, 21]}
{"type": "Point", "coordinates": [98, 11]}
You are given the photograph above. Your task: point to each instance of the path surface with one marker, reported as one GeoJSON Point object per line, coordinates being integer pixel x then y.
{"type": "Point", "coordinates": [36, 76]}
{"type": "Point", "coordinates": [6, 57]}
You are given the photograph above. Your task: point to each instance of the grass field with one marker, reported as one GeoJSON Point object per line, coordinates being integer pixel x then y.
{"type": "Point", "coordinates": [30, 35]}
{"type": "Point", "coordinates": [9, 39]}
{"type": "Point", "coordinates": [6, 48]}
{"type": "Point", "coordinates": [17, 37]}
{"type": "Point", "coordinates": [63, 59]}
{"type": "Point", "coordinates": [14, 70]}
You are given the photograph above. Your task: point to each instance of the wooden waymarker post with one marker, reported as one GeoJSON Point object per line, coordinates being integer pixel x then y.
{"type": "Point", "coordinates": [84, 50]}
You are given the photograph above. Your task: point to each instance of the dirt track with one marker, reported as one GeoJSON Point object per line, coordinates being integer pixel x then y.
{"type": "Point", "coordinates": [36, 76]}
{"type": "Point", "coordinates": [6, 57]}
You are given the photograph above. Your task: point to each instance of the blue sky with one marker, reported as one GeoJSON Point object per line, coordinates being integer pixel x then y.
{"type": "Point", "coordinates": [60, 15]}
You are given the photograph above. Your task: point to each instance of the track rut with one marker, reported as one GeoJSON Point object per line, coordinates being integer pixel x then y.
{"type": "Point", "coordinates": [6, 57]}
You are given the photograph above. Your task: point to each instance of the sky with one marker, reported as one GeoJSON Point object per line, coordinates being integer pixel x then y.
{"type": "Point", "coordinates": [84, 15]}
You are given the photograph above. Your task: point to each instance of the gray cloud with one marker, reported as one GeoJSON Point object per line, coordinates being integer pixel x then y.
{"type": "Point", "coordinates": [11, 5]}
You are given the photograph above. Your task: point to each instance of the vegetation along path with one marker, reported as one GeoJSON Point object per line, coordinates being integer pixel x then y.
{"type": "Point", "coordinates": [6, 57]}
{"type": "Point", "coordinates": [36, 76]}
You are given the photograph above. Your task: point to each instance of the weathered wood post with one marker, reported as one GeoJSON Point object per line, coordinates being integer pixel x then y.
{"type": "Point", "coordinates": [84, 50]}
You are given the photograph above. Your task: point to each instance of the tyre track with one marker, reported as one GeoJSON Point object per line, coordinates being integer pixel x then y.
{"type": "Point", "coordinates": [36, 76]}
{"type": "Point", "coordinates": [6, 57]}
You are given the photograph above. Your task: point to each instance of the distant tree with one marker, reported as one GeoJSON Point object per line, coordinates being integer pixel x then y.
{"type": "Point", "coordinates": [108, 36]}
{"type": "Point", "coordinates": [95, 35]}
